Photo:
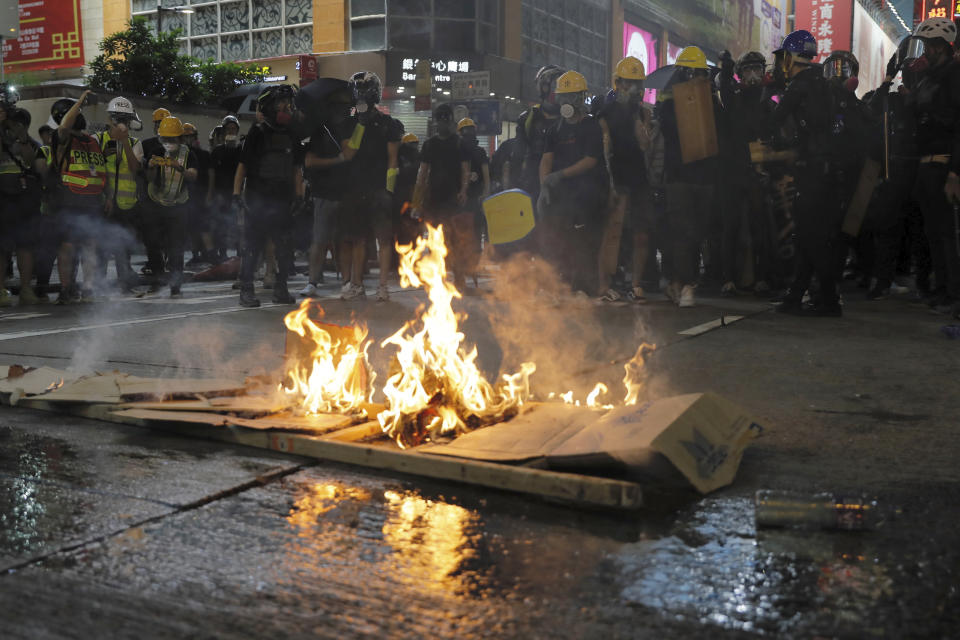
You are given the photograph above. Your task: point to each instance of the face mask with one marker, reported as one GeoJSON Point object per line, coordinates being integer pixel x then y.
{"type": "Point", "coordinates": [567, 110]}
{"type": "Point", "coordinates": [444, 128]}
{"type": "Point", "coordinates": [363, 107]}
{"type": "Point", "coordinates": [231, 141]}
{"type": "Point", "coordinates": [171, 146]}
{"type": "Point", "coordinates": [851, 84]}
{"type": "Point", "coordinates": [283, 118]}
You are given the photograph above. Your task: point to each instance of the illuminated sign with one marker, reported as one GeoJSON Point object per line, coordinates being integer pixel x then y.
{"type": "Point", "coordinates": [830, 22]}
{"type": "Point", "coordinates": [938, 9]}
{"type": "Point", "coordinates": [442, 69]}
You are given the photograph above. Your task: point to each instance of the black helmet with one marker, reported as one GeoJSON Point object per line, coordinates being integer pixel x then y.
{"type": "Point", "coordinates": [841, 65]}
{"type": "Point", "coordinates": [228, 119]}
{"type": "Point", "coordinates": [60, 108]}
{"type": "Point", "coordinates": [267, 99]}
{"type": "Point", "coordinates": [367, 87]}
{"type": "Point", "coordinates": [550, 72]}
{"type": "Point", "coordinates": [750, 59]}
{"type": "Point", "coordinates": [22, 116]}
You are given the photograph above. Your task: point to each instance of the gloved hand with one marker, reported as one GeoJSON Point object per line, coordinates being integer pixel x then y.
{"type": "Point", "coordinates": [552, 180]}
{"type": "Point", "coordinates": [892, 68]}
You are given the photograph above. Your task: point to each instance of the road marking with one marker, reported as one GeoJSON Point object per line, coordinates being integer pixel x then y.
{"type": "Point", "coordinates": [709, 326]}
{"type": "Point", "coordinates": [24, 316]}
{"type": "Point", "coordinates": [166, 299]}
{"type": "Point", "coordinates": [123, 323]}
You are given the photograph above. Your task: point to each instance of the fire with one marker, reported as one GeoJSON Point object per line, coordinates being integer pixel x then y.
{"type": "Point", "coordinates": [437, 387]}
{"type": "Point", "coordinates": [635, 373]}
{"type": "Point", "coordinates": [335, 378]}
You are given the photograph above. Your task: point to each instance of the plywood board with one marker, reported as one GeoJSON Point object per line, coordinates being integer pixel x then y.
{"type": "Point", "coordinates": [324, 423]}
{"type": "Point", "coordinates": [34, 381]}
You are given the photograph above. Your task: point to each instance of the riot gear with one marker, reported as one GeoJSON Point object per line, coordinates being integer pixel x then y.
{"type": "Point", "coordinates": [270, 104]}
{"type": "Point", "coordinates": [367, 89]}
{"type": "Point", "coordinates": [841, 65]}
{"type": "Point", "coordinates": [750, 67]}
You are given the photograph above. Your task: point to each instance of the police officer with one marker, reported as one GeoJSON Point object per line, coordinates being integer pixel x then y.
{"type": "Point", "coordinates": [937, 98]}
{"type": "Point", "coordinates": [267, 186]}
{"type": "Point", "coordinates": [829, 141]}
{"type": "Point", "coordinates": [689, 186]}
{"type": "Point", "coordinates": [532, 127]}
{"type": "Point", "coordinates": [572, 189]}
{"type": "Point", "coordinates": [371, 148]}
{"type": "Point", "coordinates": [120, 192]}
{"type": "Point", "coordinates": [78, 160]}
{"type": "Point", "coordinates": [625, 123]}
{"type": "Point", "coordinates": [165, 207]}
{"type": "Point", "coordinates": [22, 166]}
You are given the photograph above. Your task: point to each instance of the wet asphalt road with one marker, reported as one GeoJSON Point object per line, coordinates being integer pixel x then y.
{"type": "Point", "coordinates": [114, 531]}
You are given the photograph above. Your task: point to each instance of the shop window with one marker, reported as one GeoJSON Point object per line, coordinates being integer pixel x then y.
{"type": "Point", "coordinates": [368, 34]}
{"type": "Point", "coordinates": [463, 9]}
{"type": "Point", "coordinates": [360, 8]}
{"type": "Point", "coordinates": [454, 35]}
{"type": "Point", "coordinates": [408, 33]}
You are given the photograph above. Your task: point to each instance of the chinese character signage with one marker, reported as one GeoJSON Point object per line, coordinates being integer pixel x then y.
{"type": "Point", "coordinates": [938, 9]}
{"type": "Point", "coordinates": [830, 22]}
{"type": "Point", "coordinates": [50, 37]}
{"type": "Point", "coordinates": [468, 86]}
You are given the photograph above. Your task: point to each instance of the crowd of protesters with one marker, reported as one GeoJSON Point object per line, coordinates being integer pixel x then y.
{"type": "Point", "coordinates": [749, 176]}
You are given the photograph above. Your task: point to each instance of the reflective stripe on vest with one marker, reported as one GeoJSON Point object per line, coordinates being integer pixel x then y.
{"type": "Point", "coordinates": [123, 182]}
{"type": "Point", "coordinates": [85, 166]}
{"type": "Point", "coordinates": [170, 191]}
{"type": "Point", "coordinates": [8, 164]}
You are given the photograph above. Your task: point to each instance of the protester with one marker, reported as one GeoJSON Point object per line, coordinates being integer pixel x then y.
{"type": "Point", "coordinates": [268, 185]}
{"type": "Point", "coordinates": [477, 190]}
{"type": "Point", "coordinates": [224, 158]}
{"type": "Point", "coordinates": [532, 128]}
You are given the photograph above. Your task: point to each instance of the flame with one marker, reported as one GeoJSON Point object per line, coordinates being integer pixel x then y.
{"type": "Point", "coordinates": [635, 373]}
{"type": "Point", "coordinates": [335, 378]}
{"type": "Point", "coordinates": [438, 388]}
{"type": "Point", "coordinates": [53, 386]}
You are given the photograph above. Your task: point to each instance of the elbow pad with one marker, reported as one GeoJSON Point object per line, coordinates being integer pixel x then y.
{"type": "Point", "coordinates": [392, 179]}
{"type": "Point", "coordinates": [357, 137]}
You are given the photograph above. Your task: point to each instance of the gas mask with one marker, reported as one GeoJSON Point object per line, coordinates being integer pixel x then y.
{"type": "Point", "coordinates": [170, 144]}
{"type": "Point", "coordinates": [570, 104]}
{"type": "Point", "coordinates": [283, 118]}
{"type": "Point", "coordinates": [752, 76]}
{"type": "Point", "coordinates": [445, 128]}
{"type": "Point", "coordinates": [629, 91]}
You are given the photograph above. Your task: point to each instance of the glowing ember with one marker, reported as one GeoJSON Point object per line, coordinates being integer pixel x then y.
{"type": "Point", "coordinates": [438, 388]}
{"type": "Point", "coordinates": [335, 378]}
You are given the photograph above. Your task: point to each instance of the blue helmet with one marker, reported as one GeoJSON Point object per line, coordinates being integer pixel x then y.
{"type": "Point", "coordinates": [799, 43]}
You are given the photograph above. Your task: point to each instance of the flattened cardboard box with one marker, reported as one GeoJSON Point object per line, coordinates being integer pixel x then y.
{"type": "Point", "coordinates": [701, 434]}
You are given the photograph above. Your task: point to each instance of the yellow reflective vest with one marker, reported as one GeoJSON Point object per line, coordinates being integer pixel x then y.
{"type": "Point", "coordinates": [168, 188]}
{"type": "Point", "coordinates": [121, 182]}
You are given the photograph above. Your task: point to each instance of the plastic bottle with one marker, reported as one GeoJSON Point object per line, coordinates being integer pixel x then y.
{"type": "Point", "coordinates": [818, 511]}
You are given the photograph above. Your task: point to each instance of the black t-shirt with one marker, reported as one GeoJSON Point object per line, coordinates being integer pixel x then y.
{"type": "Point", "coordinates": [626, 158]}
{"type": "Point", "coordinates": [478, 159]}
{"type": "Point", "coordinates": [368, 169]}
{"type": "Point", "coordinates": [223, 162]}
{"type": "Point", "coordinates": [269, 156]}
{"type": "Point", "coordinates": [569, 144]}
{"type": "Point", "coordinates": [328, 183]}
{"type": "Point", "coordinates": [444, 155]}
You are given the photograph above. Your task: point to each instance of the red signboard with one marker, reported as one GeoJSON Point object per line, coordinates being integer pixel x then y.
{"type": "Point", "coordinates": [830, 22]}
{"type": "Point", "coordinates": [51, 37]}
{"type": "Point", "coordinates": [307, 65]}
{"type": "Point", "coordinates": [937, 9]}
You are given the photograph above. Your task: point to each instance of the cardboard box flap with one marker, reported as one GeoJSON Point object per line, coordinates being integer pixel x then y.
{"type": "Point", "coordinates": [34, 382]}
{"type": "Point", "coordinates": [532, 434]}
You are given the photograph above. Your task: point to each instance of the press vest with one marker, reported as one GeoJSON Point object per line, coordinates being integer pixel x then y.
{"type": "Point", "coordinates": [85, 166]}
{"type": "Point", "coordinates": [167, 189]}
{"type": "Point", "coordinates": [121, 182]}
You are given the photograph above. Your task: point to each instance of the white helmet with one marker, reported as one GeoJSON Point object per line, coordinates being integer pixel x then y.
{"type": "Point", "coordinates": [121, 105]}
{"type": "Point", "coordinates": [937, 28]}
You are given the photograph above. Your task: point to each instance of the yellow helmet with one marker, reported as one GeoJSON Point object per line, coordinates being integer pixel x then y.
{"type": "Point", "coordinates": [630, 68]}
{"type": "Point", "coordinates": [189, 129]}
{"type": "Point", "coordinates": [571, 82]}
{"type": "Point", "coordinates": [160, 114]}
{"type": "Point", "coordinates": [692, 58]}
{"type": "Point", "coordinates": [170, 127]}
{"type": "Point", "coordinates": [464, 123]}
{"type": "Point", "coordinates": [409, 137]}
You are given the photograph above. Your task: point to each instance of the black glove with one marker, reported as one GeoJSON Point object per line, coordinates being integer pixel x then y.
{"type": "Point", "coordinates": [892, 67]}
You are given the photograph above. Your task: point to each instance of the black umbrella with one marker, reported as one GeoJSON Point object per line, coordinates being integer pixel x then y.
{"type": "Point", "coordinates": [243, 95]}
{"type": "Point", "coordinates": [660, 78]}
{"type": "Point", "coordinates": [320, 90]}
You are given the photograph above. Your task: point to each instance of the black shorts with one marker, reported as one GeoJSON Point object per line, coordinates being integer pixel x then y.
{"type": "Point", "coordinates": [362, 215]}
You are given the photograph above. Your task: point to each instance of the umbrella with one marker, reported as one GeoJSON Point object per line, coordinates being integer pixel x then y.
{"type": "Point", "coordinates": [660, 78]}
{"type": "Point", "coordinates": [244, 98]}
{"type": "Point", "coordinates": [319, 91]}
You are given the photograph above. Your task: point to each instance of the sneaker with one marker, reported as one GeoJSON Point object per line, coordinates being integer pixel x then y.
{"type": "Point", "coordinates": [6, 300]}
{"type": "Point", "coordinates": [611, 295]}
{"type": "Point", "coordinates": [310, 291]}
{"type": "Point", "coordinates": [248, 298]}
{"type": "Point", "coordinates": [728, 290]}
{"type": "Point", "coordinates": [686, 299]}
{"type": "Point", "coordinates": [355, 291]}
{"type": "Point", "coordinates": [636, 295]}
{"type": "Point", "coordinates": [383, 294]}
{"type": "Point", "coordinates": [28, 296]}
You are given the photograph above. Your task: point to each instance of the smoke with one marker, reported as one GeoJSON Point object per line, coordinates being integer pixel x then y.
{"type": "Point", "coordinates": [574, 342]}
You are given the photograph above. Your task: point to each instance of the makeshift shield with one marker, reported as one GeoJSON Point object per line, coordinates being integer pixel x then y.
{"type": "Point", "coordinates": [695, 122]}
{"type": "Point", "coordinates": [509, 216]}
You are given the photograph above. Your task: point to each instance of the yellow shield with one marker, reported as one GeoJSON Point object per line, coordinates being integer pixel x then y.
{"type": "Point", "coordinates": [509, 216]}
